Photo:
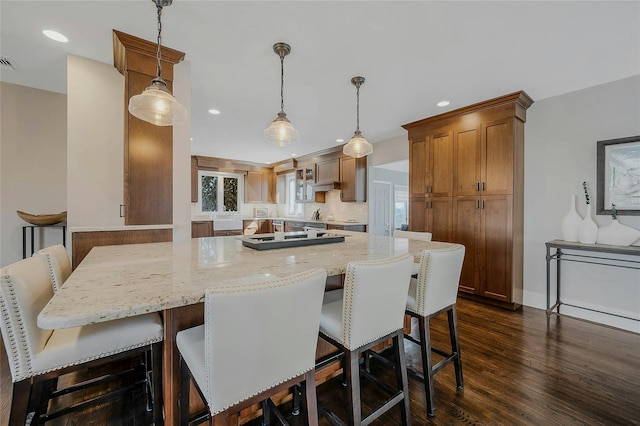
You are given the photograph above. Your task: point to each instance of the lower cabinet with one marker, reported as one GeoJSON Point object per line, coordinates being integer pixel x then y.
{"type": "Point", "coordinates": [201, 229]}
{"type": "Point", "coordinates": [357, 228]}
{"type": "Point", "coordinates": [484, 226]}
{"type": "Point", "coordinates": [227, 232]}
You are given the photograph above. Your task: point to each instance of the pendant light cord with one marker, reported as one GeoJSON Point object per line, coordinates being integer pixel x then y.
{"type": "Point", "coordinates": [357, 108]}
{"type": "Point", "coordinates": [159, 53]}
{"type": "Point", "coordinates": [281, 81]}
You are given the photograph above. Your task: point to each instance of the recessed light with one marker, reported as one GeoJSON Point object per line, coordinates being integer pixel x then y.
{"type": "Point", "coordinates": [443, 103]}
{"type": "Point", "coordinates": [190, 139]}
{"type": "Point", "coordinates": [54, 35]}
{"type": "Point", "coordinates": [214, 111]}
{"type": "Point", "coordinates": [293, 155]}
{"type": "Point", "coordinates": [339, 140]}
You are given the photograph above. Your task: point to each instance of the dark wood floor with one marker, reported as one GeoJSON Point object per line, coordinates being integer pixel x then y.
{"type": "Point", "coordinates": [517, 371]}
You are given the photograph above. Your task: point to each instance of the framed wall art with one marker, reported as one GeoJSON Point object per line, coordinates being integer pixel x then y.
{"type": "Point", "coordinates": [618, 176]}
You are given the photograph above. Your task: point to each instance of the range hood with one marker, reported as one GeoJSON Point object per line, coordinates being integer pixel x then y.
{"type": "Point", "coordinates": [325, 186]}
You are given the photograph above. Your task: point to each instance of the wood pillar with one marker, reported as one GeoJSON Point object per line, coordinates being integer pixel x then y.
{"type": "Point", "coordinates": [148, 149]}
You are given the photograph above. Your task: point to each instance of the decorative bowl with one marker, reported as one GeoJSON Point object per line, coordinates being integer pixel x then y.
{"type": "Point", "coordinates": [42, 219]}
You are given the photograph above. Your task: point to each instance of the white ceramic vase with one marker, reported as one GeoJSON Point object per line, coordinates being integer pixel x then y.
{"type": "Point", "coordinates": [617, 234]}
{"type": "Point", "coordinates": [571, 222]}
{"type": "Point", "coordinates": [588, 230]}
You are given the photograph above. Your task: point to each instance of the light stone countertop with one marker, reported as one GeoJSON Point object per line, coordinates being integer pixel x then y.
{"type": "Point", "coordinates": [120, 281]}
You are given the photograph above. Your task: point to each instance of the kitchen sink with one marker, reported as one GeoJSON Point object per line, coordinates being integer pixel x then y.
{"type": "Point", "coordinates": [227, 224]}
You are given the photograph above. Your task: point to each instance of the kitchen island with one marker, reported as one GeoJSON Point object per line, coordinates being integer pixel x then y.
{"type": "Point", "coordinates": [171, 277]}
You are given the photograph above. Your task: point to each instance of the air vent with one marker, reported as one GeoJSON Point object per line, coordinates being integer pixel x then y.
{"type": "Point", "coordinates": [5, 63]}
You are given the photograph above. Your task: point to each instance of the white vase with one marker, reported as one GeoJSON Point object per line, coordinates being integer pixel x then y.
{"type": "Point", "coordinates": [588, 230]}
{"type": "Point", "coordinates": [571, 222]}
{"type": "Point", "coordinates": [617, 234]}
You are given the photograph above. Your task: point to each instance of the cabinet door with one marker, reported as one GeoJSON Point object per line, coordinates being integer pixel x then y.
{"type": "Point", "coordinates": [497, 158]}
{"type": "Point", "coordinates": [264, 227]}
{"type": "Point", "coordinates": [253, 188]}
{"type": "Point", "coordinates": [466, 168]}
{"type": "Point", "coordinates": [440, 176]}
{"type": "Point", "coordinates": [353, 179]}
{"type": "Point", "coordinates": [194, 181]}
{"type": "Point", "coordinates": [328, 171]}
{"type": "Point", "coordinates": [417, 214]}
{"type": "Point", "coordinates": [418, 168]}
{"type": "Point", "coordinates": [439, 213]}
{"type": "Point", "coordinates": [201, 229]}
{"type": "Point", "coordinates": [466, 231]}
{"type": "Point", "coordinates": [496, 247]}
{"type": "Point", "coordinates": [300, 186]}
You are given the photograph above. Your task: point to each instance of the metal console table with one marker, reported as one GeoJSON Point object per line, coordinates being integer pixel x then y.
{"type": "Point", "coordinates": [597, 256]}
{"type": "Point", "coordinates": [31, 228]}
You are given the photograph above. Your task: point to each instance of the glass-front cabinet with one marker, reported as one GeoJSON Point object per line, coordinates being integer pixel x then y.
{"type": "Point", "coordinates": [305, 177]}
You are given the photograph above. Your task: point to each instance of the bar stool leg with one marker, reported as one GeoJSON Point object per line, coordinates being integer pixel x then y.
{"type": "Point", "coordinates": [427, 371]}
{"type": "Point", "coordinates": [309, 390]}
{"type": "Point", "coordinates": [352, 370]}
{"type": "Point", "coordinates": [401, 376]}
{"type": "Point", "coordinates": [452, 316]}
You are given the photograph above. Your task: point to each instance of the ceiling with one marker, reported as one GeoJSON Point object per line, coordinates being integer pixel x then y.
{"type": "Point", "coordinates": [412, 54]}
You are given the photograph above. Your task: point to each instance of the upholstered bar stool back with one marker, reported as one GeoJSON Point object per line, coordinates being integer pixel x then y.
{"type": "Point", "coordinates": [58, 262]}
{"type": "Point", "coordinates": [38, 356]}
{"type": "Point", "coordinates": [256, 340]}
{"type": "Point", "coordinates": [435, 291]}
{"type": "Point", "coordinates": [370, 312]}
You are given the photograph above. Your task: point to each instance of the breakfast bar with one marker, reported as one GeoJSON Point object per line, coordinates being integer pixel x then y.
{"type": "Point", "coordinates": [171, 277]}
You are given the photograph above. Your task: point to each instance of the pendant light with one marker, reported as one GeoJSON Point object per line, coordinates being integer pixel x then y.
{"type": "Point", "coordinates": [358, 146]}
{"type": "Point", "coordinates": [281, 132]}
{"type": "Point", "coordinates": [156, 104]}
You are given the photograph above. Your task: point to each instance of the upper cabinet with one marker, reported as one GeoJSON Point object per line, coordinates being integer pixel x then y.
{"type": "Point", "coordinates": [305, 178]}
{"type": "Point", "coordinates": [259, 187]}
{"type": "Point", "coordinates": [353, 179]}
{"type": "Point", "coordinates": [328, 171]}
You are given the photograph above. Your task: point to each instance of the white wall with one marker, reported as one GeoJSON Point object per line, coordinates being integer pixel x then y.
{"type": "Point", "coordinates": [33, 163]}
{"type": "Point", "coordinates": [95, 143]}
{"type": "Point", "coordinates": [182, 156]}
{"type": "Point", "coordinates": [560, 153]}
{"type": "Point", "coordinates": [389, 151]}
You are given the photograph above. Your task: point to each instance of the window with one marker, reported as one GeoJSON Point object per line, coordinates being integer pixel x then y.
{"type": "Point", "coordinates": [293, 208]}
{"type": "Point", "coordinates": [400, 210]}
{"type": "Point", "coordinates": [219, 192]}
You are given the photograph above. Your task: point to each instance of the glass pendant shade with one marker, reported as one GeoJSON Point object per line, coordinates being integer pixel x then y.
{"type": "Point", "coordinates": [281, 132]}
{"type": "Point", "coordinates": [157, 105]}
{"type": "Point", "coordinates": [358, 146]}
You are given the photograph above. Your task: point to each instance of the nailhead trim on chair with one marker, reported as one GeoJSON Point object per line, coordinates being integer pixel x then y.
{"type": "Point", "coordinates": [15, 330]}
{"type": "Point", "coordinates": [257, 393]}
{"type": "Point", "coordinates": [243, 289]}
{"type": "Point", "coordinates": [348, 296]}
{"type": "Point", "coordinates": [423, 278]}
{"type": "Point", "coordinates": [19, 338]}
{"type": "Point", "coordinates": [54, 282]}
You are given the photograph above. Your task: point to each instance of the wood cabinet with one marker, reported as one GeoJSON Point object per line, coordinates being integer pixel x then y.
{"type": "Point", "coordinates": [328, 171]}
{"type": "Point", "coordinates": [194, 179]}
{"type": "Point", "coordinates": [148, 149]}
{"type": "Point", "coordinates": [466, 185]}
{"type": "Point", "coordinates": [201, 228]}
{"type": "Point", "coordinates": [353, 179]}
{"type": "Point", "coordinates": [259, 187]}
{"type": "Point", "coordinates": [257, 226]}
{"type": "Point", "coordinates": [305, 178]}
{"type": "Point", "coordinates": [227, 232]}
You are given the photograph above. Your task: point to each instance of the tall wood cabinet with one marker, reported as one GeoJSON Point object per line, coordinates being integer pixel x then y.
{"type": "Point", "coordinates": [466, 185]}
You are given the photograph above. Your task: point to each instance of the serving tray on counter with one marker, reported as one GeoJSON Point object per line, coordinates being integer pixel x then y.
{"type": "Point", "coordinates": [291, 239]}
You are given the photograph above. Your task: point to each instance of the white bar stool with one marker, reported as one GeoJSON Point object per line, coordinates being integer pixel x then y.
{"type": "Point", "coordinates": [58, 262]}
{"type": "Point", "coordinates": [434, 292]}
{"type": "Point", "coordinates": [256, 340]}
{"type": "Point", "coordinates": [370, 312]}
{"type": "Point", "coordinates": [38, 357]}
